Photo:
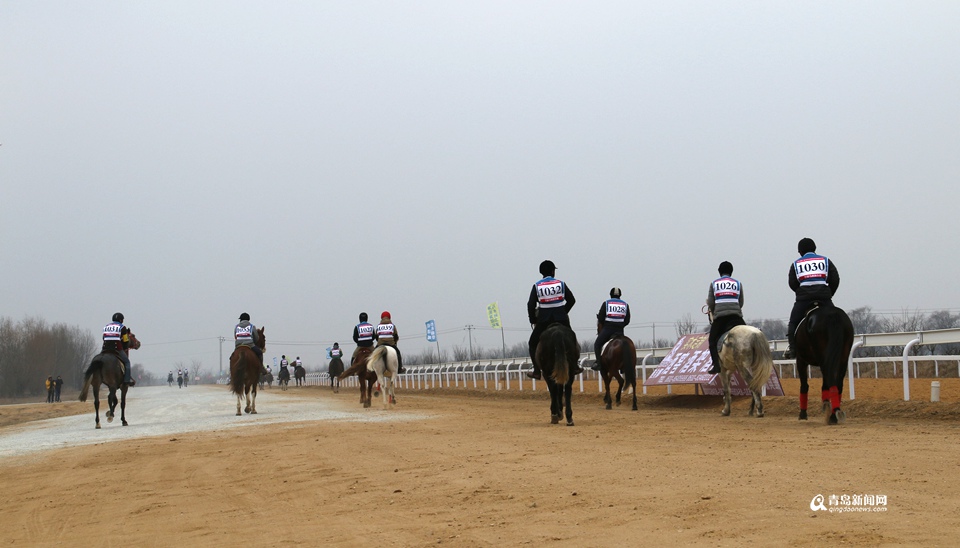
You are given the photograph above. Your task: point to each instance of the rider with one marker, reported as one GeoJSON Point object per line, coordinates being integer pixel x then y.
{"type": "Point", "coordinates": [336, 353]}
{"type": "Point", "coordinates": [362, 335]}
{"type": "Point", "coordinates": [116, 339]}
{"type": "Point", "coordinates": [550, 301]}
{"type": "Point", "coordinates": [245, 334]}
{"type": "Point", "coordinates": [614, 315]}
{"type": "Point", "coordinates": [814, 278]}
{"type": "Point", "coordinates": [283, 366]}
{"type": "Point", "coordinates": [386, 334]}
{"type": "Point", "coordinates": [725, 303]}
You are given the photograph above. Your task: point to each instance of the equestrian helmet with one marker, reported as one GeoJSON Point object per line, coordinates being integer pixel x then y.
{"type": "Point", "coordinates": [245, 316]}
{"type": "Point", "coordinates": [118, 317]}
{"type": "Point", "coordinates": [615, 293]}
{"type": "Point", "coordinates": [385, 314]}
{"type": "Point", "coordinates": [805, 246]}
{"type": "Point", "coordinates": [725, 268]}
{"type": "Point", "coordinates": [336, 345]}
{"type": "Point", "coordinates": [547, 268]}
{"type": "Point", "coordinates": [363, 316]}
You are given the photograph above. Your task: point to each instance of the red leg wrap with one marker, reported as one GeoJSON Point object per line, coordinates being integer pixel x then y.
{"type": "Point", "coordinates": [803, 402]}
{"type": "Point", "coordinates": [834, 398]}
{"type": "Point", "coordinates": [825, 395]}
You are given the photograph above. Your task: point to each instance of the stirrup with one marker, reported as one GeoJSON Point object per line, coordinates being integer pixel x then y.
{"type": "Point", "coordinates": [789, 353]}
{"type": "Point", "coordinates": [534, 375]}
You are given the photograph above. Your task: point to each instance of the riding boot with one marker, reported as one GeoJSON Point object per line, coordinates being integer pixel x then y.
{"type": "Point", "coordinates": [714, 369]}
{"type": "Point", "coordinates": [535, 374]}
{"type": "Point", "coordinates": [790, 353]}
{"type": "Point", "coordinates": [400, 369]}
{"type": "Point", "coordinates": [130, 382]}
{"type": "Point", "coordinates": [576, 369]}
{"type": "Point", "coordinates": [596, 365]}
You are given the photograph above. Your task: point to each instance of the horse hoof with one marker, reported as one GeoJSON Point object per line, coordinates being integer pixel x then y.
{"type": "Point", "coordinates": [725, 413]}
{"type": "Point", "coordinates": [841, 416]}
{"type": "Point", "coordinates": [569, 423]}
{"type": "Point", "coordinates": [239, 414]}
{"type": "Point", "coordinates": [554, 419]}
{"type": "Point", "coordinates": [366, 405]}
{"type": "Point", "coordinates": [109, 419]}
{"type": "Point", "coordinates": [803, 415]}
{"type": "Point", "coordinates": [831, 419]}
{"type": "Point", "coordinates": [98, 426]}
{"type": "Point", "coordinates": [609, 406]}
{"type": "Point", "coordinates": [760, 415]}
{"type": "Point", "coordinates": [634, 407]}
{"type": "Point", "coordinates": [125, 423]}
{"type": "Point", "coordinates": [253, 411]}
{"type": "Point", "coordinates": [246, 410]}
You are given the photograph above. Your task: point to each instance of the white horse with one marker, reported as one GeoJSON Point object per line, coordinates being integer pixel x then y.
{"type": "Point", "coordinates": [745, 350]}
{"type": "Point", "coordinates": [383, 362]}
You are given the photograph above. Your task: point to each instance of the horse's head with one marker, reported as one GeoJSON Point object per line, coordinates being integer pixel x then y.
{"type": "Point", "coordinates": [263, 341]}
{"type": "Point", "coordinates": [134, 342]}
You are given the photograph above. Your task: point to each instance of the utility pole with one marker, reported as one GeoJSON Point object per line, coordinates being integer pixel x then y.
{"type": "Point", "coordinates": [222, 339]}
{"type": "Point", "coordinates": [470, 329]}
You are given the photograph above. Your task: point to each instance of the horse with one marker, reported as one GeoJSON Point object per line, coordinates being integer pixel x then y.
{"type": "Point", "coordinates": [266, 379]}
{"type": "Point", "coordinates": [300, 374]}
{"type": "Point", "coordinates": [180, 381]}
{"type": "Point", "coordinates": [745, 350]}
{"type": "Point", "coordinates": [186, 378]}
{"type": "Point", "coordinates": [618, 355]}
{"type": "Point", "coordinates": [106, 368]}
{"type": "Point", "coordinates": [824, 339]}
{"type": "Point", "coordinates": [383, 362]}
{"type": "Point", "coordinates": [170, 380]}
{"type": "Point", "coordinates": [283, 378]}
{"type": "Point", "coordinates": [245, 370]}
{"type": "Point", "coordinates": [366, 377]}
{"type": "Point", "coordinates": [336, 369]}
{"type": "Point", "coordinates": [557, 353]}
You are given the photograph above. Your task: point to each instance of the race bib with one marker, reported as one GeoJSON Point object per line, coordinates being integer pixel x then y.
{"type": "Point", "coordinates": [550, 293]}
{"type": "Point", "coordinates": [616, 311]}
{"type": "Point", "coordinates": [244, 333]}
{"type": "Point", "coordinates": [385, 330]}
{"type": "Point", "coordinates": [365, 332]}
{"type": "Point", "coordinates": [811, 270]}
{"type": "Point", "coordinates": [111, 332]}
{"type": "Point", "coordinates": [726, 290]}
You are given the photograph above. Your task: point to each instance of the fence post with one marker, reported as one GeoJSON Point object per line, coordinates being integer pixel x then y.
{"type": "Point", "coordinates": [853, 349]}
{"type": "Point", "coordinates": [906, 369]}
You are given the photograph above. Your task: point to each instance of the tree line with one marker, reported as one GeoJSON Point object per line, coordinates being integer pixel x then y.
{"type": "Point", "coordinates": [31, 350]}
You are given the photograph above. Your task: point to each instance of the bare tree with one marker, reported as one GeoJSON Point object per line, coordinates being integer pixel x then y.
{"type": "Point", "coordinates": [195, 366]}
{"type": "Point", "coordinates": [686, 325]}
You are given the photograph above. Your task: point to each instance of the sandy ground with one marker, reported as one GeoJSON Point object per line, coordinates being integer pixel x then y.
{"type": "Point", "coordinates": [487, 468]}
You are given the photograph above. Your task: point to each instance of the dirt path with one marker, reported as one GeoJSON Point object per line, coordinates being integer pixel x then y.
{"type": "Point", "coordinates": [487, 468]}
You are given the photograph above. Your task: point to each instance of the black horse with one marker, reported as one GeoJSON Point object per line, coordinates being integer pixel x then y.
{"type": "Point", "coordinates": [824, 339]}
{"type": "Point", "coordinates": [557, 354]}
{"type": "Point", "coordinates": [106, 368]}
{"type": "Point", "coordinates": [336, 369]}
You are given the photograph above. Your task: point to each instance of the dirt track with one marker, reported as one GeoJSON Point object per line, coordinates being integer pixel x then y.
{"type": "Point", "coordinates": [488, 469]}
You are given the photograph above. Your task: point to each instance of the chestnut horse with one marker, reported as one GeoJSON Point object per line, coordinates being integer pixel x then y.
{"type": "Point", "coordinates": [245, 371]}
{"type": "Point", "coordinates": [366, 377]}
{"type": "Point", "coordinates": [618, 359]}
{"type": "Point", "coordinates": [557, 354]}
{"type": "Point", "coordinates": [824, 339]}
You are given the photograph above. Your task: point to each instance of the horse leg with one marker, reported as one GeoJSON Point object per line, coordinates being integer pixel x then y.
{"type": "Point", "coordinates": [725, 380]}
{"type": "Point", "coordinates": [555, 403]}
{"type": "Point", "coordinates": [804, 387]}
{"type": "Point", "coordinates": [253, 400]}
{"type": "Point", "coordinates": [239, 399]}
{"type": "Point", "coordinates": [759, 403]}
{"type": "Point", "coordinates": [619, 378]}
{"type": "Point", "coordinates": [567, 395]}
{"type": "Point", "coordinates": [123, 405]}
{"type": "Point", "coordinates": [111, 404]}
{"type": "Point", "coordinates": [246, 396]}
{"type": "Point", "coordinates": [96, 402]}
{"type": "Point", "coordinates": [606, 385]}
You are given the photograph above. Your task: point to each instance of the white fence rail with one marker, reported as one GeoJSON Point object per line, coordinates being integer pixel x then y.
{"type": "Point", "coordinates": [504, 374]}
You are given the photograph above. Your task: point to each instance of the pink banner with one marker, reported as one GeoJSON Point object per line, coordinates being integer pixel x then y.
{"type": "Point", "coordinates": [689, 362]}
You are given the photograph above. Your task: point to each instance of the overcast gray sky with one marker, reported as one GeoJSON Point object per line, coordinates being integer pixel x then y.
{"type": "Point", "coordinates": [183, 162]}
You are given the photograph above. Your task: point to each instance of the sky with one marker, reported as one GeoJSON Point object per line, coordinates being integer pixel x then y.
{"type": "Point", "coordinates": [183, 162]}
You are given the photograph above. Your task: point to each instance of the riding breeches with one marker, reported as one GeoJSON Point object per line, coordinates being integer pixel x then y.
{"type": "Point", "coordinates": [720, 326]}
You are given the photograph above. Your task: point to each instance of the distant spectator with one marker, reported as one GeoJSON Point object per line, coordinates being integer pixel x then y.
{"type": "Point", "coordinates": [58, 384]}
{"type": "Point", "coordinates": [50, 388]}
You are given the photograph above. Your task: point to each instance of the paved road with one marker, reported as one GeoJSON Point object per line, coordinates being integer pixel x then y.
{"type": "Point", "coordinates": [161, 411]}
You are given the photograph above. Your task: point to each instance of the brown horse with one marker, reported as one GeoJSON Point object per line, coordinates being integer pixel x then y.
{"type": "Point", "coordinates": [367, 378]}
{"type": "Point", "coordinates": [245, 370]}
{"type": "Point", "coordinates": [106, 368]}
{"type": "Point", "coordinates": [618, 359]}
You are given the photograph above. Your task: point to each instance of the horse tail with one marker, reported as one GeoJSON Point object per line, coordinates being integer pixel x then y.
{"type": "Point", "coordinates": [561, 368]}
{"type": "Point", "coordinates": [837, 335]}
{"type": "Point", "coordinates": [629, 356]}
{"type": "Point", "coordinates": [379, 353]}
{"type": "Point", "coordinates": [95, 365]}
{"type": "Point", "coordinates": [238, 373]}
{"type": "Point", "coordinates": [762, 366]}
